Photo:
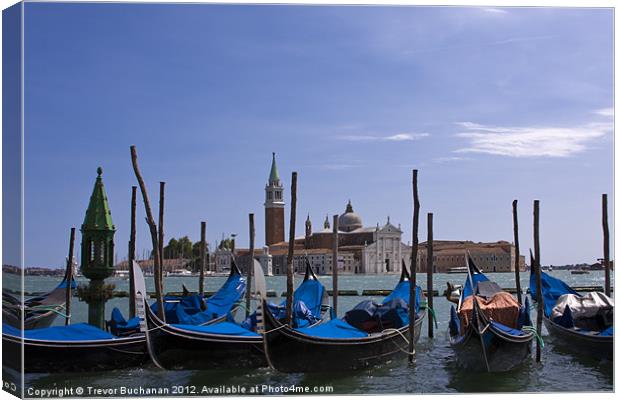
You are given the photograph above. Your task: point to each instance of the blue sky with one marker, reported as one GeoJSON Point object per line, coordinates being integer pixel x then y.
{"type": "Point", "coordinates": [490, 105]}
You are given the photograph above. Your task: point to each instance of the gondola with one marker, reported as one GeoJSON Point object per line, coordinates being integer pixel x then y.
{"type": "Point", "coordinates": [591, 336]}
{"type": "Point", "coordinates": [40, 311]}
{"type": "Point", "coordinates": [344, 344]}
{"type": "Point", "coordinates": [193, 309]}
{"type": "Point", "coordinates": [496, 335]}
{"type": "Point", "coordinates": [83, 347]}
{"type": "Point", "coordinates": [72, 348]}
{"type": "Point", "coordinates": [224, 344]}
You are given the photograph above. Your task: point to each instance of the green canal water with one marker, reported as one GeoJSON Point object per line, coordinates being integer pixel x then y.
{"type": "Point", "coordinates": [435, 370]}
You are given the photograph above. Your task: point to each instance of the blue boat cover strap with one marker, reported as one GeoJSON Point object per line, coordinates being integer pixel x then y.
{"type": "Point", "coordinates": [334, 329]}
{"type": "Point", "coordinates": [221, 328]}
{"type": "Point", "coordinates": [69, 333]}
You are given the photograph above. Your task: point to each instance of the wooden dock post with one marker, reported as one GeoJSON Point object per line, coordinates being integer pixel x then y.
{"type": "Point", "coordinates": [335, 241]}
{"type": "Point", "coordinates": [131, 256]}
{"type": "Point", "coordinates": [606, 247]}
{"type": "Point", "coordinates": [515, 223]}
{"type": "Point", "coordinates": [429, 271]}
{"type": "Point", "coordinates": [291, 248]}
{"type": "Point", "coordinates": [414, 266]}
{"type": "Point", "coordinates": [153, 229]}
{"type": "Point", "coordinates": [69, 278]}
{"type": "Point", "coordinates": [203, 250]}
{"type": "Point", "coordinates": [539, 314]}
{"type": "Point", "coordinates": [162, 186]}
{"type": "Point", "coordinates": [248, 291]}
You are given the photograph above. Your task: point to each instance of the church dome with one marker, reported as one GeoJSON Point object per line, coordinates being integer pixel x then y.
{"type": "Point", "coordinates": [349, 221]}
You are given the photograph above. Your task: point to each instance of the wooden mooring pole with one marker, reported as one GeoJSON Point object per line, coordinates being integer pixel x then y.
{"type": "Point", "coordinates": [515, 223]}
{"type": "Point", "coordinates": [203, 256]}
{"type": "Point", "coordinates": [429, 272]}
{"type": "Point", "coordinates": [335, 242]}
{"type": "Point", "coordinates": [414, 266]}
{"type": "Point", "coordinates": [291, 248]}
{"type": "Point", "coordinates": [69, 281]}
{"type": "Point", "coordinates": [131, 256]}
{"type": "Point", "coordinates": [606, 248]}
{"type": "Point", "coordinates": [248, 291]}
{"type": "Point", "coordinates": [162, 187]}
{"type": "Point", "coordinates": [153, 229]}
{"type": "Point", "coordinates": [539, 313]}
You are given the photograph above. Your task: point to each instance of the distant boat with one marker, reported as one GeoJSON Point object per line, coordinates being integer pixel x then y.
{"type": "Point", "coordinates": [579, 271]}
{"type": "Point", "coordinates": [180, 272]}
{"type": "Point", "coordinates": [121, 274]}
{"type": "Point", "coordinates": [457, 270]}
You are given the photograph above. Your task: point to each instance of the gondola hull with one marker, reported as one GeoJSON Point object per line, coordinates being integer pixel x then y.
{"type": "Point", "coordinates": [76, 356]}
{"type": "Point", "coordinates": [43, 320]}
{"type": "Point", "coordinates": [175, 348]}
{"type": "Point", "coordinates": [291, 351]}
{"type": "Point", "coordinates": [593, 345]}
{"type": "Point", "coordinates": [501, 354]}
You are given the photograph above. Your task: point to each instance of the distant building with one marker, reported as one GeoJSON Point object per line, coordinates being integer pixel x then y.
{"type": "Point", "coordinates": [361, 250]}
{"type": "Point", "coordinates": [490, 257]}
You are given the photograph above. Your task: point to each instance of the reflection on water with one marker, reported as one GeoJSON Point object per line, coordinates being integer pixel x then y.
{"type": "Point", "coordinates": [435, 369]}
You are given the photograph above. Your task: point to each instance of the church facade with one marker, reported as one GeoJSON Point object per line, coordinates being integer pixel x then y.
{"type": "Point", "coordinates": [361, 250]}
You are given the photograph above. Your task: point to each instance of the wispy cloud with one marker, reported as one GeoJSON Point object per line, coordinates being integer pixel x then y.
{"type": "Point", "coordinates": [442, 160]}
{"type": "Point", "coordinates": [605, 112]}
{"type": "Point", "coordinates": [531, 141]}
{"type": "Point", "coordinates": [399, 137]}
{"type": "Point", "coordinates": [491, 10]}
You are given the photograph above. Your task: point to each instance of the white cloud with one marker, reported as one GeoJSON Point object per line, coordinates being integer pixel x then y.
{"type": "Point", "coordinates": [605, 112]}
{"type": "Point", "coordinates": [530, 141]}
{"type": "Point", "coordinates": [399, 137]}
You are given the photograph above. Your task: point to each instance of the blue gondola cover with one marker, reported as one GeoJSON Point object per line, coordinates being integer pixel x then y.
{"type": "Point", "coordinates": [334, 329]}
{"type": "Point", "coordinates": [61, 333]}
{"type": "Point", "coordinates": [221, 328]}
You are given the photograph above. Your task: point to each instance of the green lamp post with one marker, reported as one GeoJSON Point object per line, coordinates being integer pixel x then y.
{"type": "Point", "coordinates": [97, 254]}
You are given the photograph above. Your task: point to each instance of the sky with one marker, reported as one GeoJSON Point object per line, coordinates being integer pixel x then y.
{"type": "Point", "coordinates": [489, 104]}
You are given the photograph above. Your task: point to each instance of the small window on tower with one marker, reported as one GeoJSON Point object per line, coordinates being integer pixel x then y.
{"type": "Point", "coordinates": [269, 196]}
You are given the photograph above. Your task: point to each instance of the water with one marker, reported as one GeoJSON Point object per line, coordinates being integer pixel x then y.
{"type": "Point", "coordinates": [435, 369]}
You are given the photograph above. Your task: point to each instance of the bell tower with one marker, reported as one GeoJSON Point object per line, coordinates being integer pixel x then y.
{"type": "Point", "coordinates": [274, 206]}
